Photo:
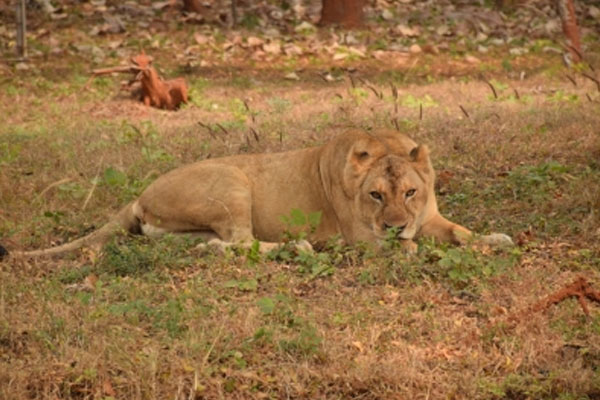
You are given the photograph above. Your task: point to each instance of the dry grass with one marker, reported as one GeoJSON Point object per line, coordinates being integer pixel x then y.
{"type": "Point", "coordinates": [155, 319]}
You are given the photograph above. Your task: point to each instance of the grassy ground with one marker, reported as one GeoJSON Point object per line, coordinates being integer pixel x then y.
{"type": "Point", "coordinates": [156, 319]}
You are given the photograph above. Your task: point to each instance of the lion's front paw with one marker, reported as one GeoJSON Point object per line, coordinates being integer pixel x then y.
{"type": "Point", "coordinates": [216, 245]}
{"type": "Point", "coordinates": [409, 246]}
{"type": "Point", "coordinates": [497, 239]}
{"type": "Point", "coordinates": [303, 245]}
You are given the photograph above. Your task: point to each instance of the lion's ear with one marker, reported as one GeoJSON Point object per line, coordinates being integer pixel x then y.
{"type": "Point", "coordinates": [359, 159]}
{"type": "Point", "coordinates": [420, 154]}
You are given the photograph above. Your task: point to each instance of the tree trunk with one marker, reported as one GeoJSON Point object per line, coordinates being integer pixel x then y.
{"type": "Point", "coordinates": [21, 29]}
{"type": "Point", "coordinates": [195, 6]}
{"type": "Point", "coordinates": [566, 10]}
{"type": "Point", "coordinates": [346, 13]}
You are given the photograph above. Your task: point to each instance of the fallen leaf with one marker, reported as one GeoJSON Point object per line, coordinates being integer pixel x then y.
{"type": "Point", "coordinates": [201, 39]}
{"type": "Point", "coordinates": [359, 346]}
{"type": "Point", "coordinates": [272, 48]}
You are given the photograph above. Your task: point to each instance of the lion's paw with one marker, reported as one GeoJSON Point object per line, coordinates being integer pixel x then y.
{"type": "Point", "coordinates": [409, 247]}
{"type": "Point", "coordinates": [497, 239]}
{"type": "Point", "coordinates": [303, 245]}
{"type": "Point", "coordinates": [216, 245]}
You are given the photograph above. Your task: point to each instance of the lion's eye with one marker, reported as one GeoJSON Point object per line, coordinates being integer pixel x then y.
{"type": "Point", "coordinates": [411, 192]}
{"type": "Point", "coordinates": [376, 195]}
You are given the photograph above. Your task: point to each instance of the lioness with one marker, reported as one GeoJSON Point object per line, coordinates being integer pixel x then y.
{"type": "Point", "coordinates": [363, 183]}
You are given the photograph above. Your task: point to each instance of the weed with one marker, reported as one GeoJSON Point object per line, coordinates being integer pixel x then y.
{"type": "Point", "coordinates": [141, 255]}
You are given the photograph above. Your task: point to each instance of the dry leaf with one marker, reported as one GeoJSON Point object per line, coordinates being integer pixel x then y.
{"type": "Point", "coordinates": [407, 31]}
{"type": "Point", "coordinates": [359, 346]}
{"type": "Point", "coordinates": [201, 39]}
{"type": "Point", "coordinates": [253, 41]}
{"type": "Point", "coordinates": [272, 48]}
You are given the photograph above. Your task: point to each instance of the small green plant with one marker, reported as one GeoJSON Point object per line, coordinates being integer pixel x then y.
{"type": "Point", "coordinates": [561, 97]}
{"type": "Point", "coordinates": [140, 255]}
{"type": "Point", "coordinates": [279, 105]}
{"type": "Point", "coordinates": [463, 265]}
{"type": "Point", "coordinates": [299, 224]}
{"type": "Point", "coordinates": [411, 101]}
{"type": "Point", "coordinates": [244, 285]}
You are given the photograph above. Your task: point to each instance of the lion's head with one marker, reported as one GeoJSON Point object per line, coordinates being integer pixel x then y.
{"type": "Point", "coordinates": [386, 182]}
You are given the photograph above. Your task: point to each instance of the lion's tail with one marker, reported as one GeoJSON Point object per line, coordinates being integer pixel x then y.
{"type": "Point", "coordinates": [125, 220]}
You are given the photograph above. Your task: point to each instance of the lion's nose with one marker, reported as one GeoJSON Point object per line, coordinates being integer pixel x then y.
{"type": "Point", "coordinates": [400, 229]}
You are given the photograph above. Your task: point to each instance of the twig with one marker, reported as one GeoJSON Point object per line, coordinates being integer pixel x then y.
{"type": "Point", "coordinates": [377, 94]}
{"type": "Point", "coordinates": [569, 77]}
{"type": "Point", "coordinates": [255, 134]}
{"type": "Point", "coordinates": [249, 111]}
{"type": "Point", "coordinates": [395, 121]}
{"type": "Point", "coordinates": [222, 128]}
{"type": "Point", "coordinates": [322, 77]}
{"type": "Point", "coordinates": [516, 94]}
{"type": "Point", "coordinates": [595, 80]}
{"type": "Point", "coordinates": [420, 111]}
{"type": "Point", "coordinates": [94, 184]}
{"type": "Point", "coordinates": [394, 91]}
{"type": "Point", "coordinates": [464, 111]}
{"type": "Point", "coordinates": [208, 129]}
{"type": "Point", "coordinates": [589, 97]}
{"type": "Point", "coordinates": [351, 81]}
{"type": "Point", "coordinates": [491, 87]}
{"type": "Point", "coordinates": [50, 186]}
{"type": "Point", "coordinates": [574, 50]}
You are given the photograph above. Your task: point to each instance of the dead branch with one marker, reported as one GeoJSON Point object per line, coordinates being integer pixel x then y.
{"type": "Point", "coordinates": [593, 79]}
{"type": "Point", "coordinates": [110, 70]}
{"type": "Point", "coordinates": [580, 288]}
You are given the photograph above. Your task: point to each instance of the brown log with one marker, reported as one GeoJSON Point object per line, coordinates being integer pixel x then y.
{"type": "Point", "coordinates": [566, 10]}
{"type": "Point", "coordinates": [346, 13]}
{"type": "Point", "coordinates": [110, 70]}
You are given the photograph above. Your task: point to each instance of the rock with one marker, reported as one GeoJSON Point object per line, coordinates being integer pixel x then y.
{"type": "Point", "coordinates": [22, 66]}
{"type": "Point", "coordinates": [472, 59]}
{"type": "Point", "coordinates": [518, 51]}
{"type": "Point", "coordinates": [481, 37]}
{"type": "Point", "coordinates": [415, 49]}
{"type": "Point", "coordinates": [443, 30]}
{"type": "Point", "coordinates": [305, 27]}
{"type": "Point", "coordinates": [292, 76]}
{"type": "Point", "coordinates": [387, 15]}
